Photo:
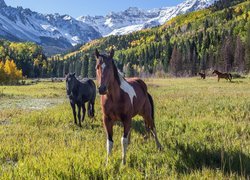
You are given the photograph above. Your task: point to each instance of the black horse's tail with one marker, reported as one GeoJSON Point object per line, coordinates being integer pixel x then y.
{"type": "Point", "coordinates": [91, 103]}
{"type": "Point", "coordinates": [230, 76]}
{"type": "Point", "coordinates": [152, 106]}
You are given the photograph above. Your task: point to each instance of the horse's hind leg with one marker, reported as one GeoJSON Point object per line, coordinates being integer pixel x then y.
{"type": "Point", "coordinates": [79, 114]}
{"type": "Point", "coordinates": [74, 111]}
{"type": "Point", "coordinates": [91, 110]}
{"type": "Point", "coordinates": [92, 102]}
{"type": "Point", "coordinates": [83, 112]}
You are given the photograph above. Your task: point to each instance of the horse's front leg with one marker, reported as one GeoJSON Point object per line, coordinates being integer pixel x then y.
{"type": "Point", "coordinates": [125, 139]}
{"type": "Point", "coordinates": [74, 111]}
{"type": "Point", "coordinates": [79, 114]}
{"type": "Point", "coordinates": [108, 125]}
{"type": "Point", "coordinates": [83, 111]}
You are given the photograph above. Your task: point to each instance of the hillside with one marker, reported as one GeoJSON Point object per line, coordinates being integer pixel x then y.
{"type": "Point", "coordinates": [60, 32]}
{"type": "Point", "coordinates": [216, 37]}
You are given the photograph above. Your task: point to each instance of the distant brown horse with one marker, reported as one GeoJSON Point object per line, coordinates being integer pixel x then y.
{"type": "Point", "coordinates": [121, 100]}
{"type": "Point", "coordinates": [202, 75]}
{"type": "Point", "coordinates": [226, 76]}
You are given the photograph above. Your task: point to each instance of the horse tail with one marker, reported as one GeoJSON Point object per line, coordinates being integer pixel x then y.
{"type": "Point", "coordinates": [152, 106]}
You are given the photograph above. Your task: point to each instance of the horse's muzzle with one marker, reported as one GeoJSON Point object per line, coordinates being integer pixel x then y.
{"type": "Point", "coordinates": [102, 90]}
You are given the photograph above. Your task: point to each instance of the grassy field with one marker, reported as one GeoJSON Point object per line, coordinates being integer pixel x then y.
{"type": "Point", "coordinates": [204, 127]}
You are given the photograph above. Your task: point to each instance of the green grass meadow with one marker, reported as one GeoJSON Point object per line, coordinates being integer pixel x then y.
{"type": "Point", "coordinates": [203, 125]}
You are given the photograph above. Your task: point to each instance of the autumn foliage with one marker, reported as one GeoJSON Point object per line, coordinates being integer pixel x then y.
{"type": "Point", "coordinates": [9, 74]}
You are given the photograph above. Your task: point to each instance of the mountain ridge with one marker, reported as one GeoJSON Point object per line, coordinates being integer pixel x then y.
{"type": "Point", "coordinates": [134, 19]}
{"type": "Point", "coordinates": [57, 33]}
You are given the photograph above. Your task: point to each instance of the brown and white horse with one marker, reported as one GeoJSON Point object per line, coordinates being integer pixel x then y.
{"type": "Point", "coordinates": [226, 76]}
{"type": "Point", "coordinates": [122, 99]}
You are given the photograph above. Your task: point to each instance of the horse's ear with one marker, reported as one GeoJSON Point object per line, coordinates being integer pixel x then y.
{"type": "Point", "coordinates": [112, 53]}
{"type": "Point", "coordinates": [97, 53]}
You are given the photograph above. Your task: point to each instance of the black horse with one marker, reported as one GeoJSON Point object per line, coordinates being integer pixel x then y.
{"type": "Point", "coordinates": [80, 92]}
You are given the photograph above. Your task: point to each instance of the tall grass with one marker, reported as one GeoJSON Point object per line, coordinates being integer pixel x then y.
{"type": "Point", "coordinates": [203, 126]}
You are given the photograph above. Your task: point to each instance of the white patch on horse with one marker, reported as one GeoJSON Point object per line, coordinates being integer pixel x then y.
{"type": "Point", "coordinates": [103, 66]}
{"type": "Point", "coordinates": [127, 88]}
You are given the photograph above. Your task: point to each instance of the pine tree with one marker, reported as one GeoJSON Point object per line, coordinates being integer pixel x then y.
{"type": "Point", "coordinates": [194, 63]}
{"type": "Point", "coordinates": [85, 66]}
{"type": "Point", "coordinates": [247, 48]}
{"type": "Point", "coordinates": [239, 56]}
{"type": "Point", "coordinates": [176, 62]}
{"type": "Point", "coordinates": [91, 69]}
{"type": "Point", "coordinates": [228, 54]}
{"type": "Point", "coordinates": [130, 70]}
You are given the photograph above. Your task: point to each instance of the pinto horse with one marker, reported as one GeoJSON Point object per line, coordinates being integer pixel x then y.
{"type": "Point", "coordinates": [122, 99]}
{"type": "Point", "coordinates": [226, 76]}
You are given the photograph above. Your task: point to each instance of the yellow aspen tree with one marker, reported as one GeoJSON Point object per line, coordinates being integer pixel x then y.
{"type": "Point", "coordinates": [2, 74]}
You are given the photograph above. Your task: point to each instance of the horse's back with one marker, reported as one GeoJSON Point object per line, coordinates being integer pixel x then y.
{"type": "Point", "coordinates": [88, 88]}
{"type": "Point", "coordinates": [138, 82]}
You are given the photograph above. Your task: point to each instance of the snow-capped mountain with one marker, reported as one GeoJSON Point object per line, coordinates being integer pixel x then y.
{"type": "Point", "coordinates": [54, 32]}
{"type": "Point", "coordinates": [57, 33]}
{"type": "Point", "coordinates": [134, 19]}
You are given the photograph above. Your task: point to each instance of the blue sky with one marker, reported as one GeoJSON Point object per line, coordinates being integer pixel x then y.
{"type": "Point", "coordinates": [77, 8]}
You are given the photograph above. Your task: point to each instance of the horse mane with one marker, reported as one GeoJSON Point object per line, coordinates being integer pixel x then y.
{"type": "Point", "coordinates": [116, 73]}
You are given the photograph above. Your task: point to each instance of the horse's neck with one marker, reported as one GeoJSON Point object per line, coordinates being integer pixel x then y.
{"type": "Point", "coordinates": [76, 87]}
{"type": "Point", "coordinates": [114, 91]}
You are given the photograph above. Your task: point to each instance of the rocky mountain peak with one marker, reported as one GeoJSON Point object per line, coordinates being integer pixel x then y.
{"type": "Point", "coordinates": [2, 4]}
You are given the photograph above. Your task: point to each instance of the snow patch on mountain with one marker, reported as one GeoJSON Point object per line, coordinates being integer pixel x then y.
{"type": "Point", "coordinates": [53, 30]}
{"type": "Point", "coordinates": [134, 19]}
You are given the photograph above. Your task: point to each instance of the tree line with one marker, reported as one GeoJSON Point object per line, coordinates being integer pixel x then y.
{"type": "Point", "coordinates": [214, 38]}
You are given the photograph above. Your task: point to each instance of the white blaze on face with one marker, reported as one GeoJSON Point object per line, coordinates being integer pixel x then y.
{"type": "Point", "coordinates": [127, 88]}
{"type": "Point", "coordinates": [103, 66]}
